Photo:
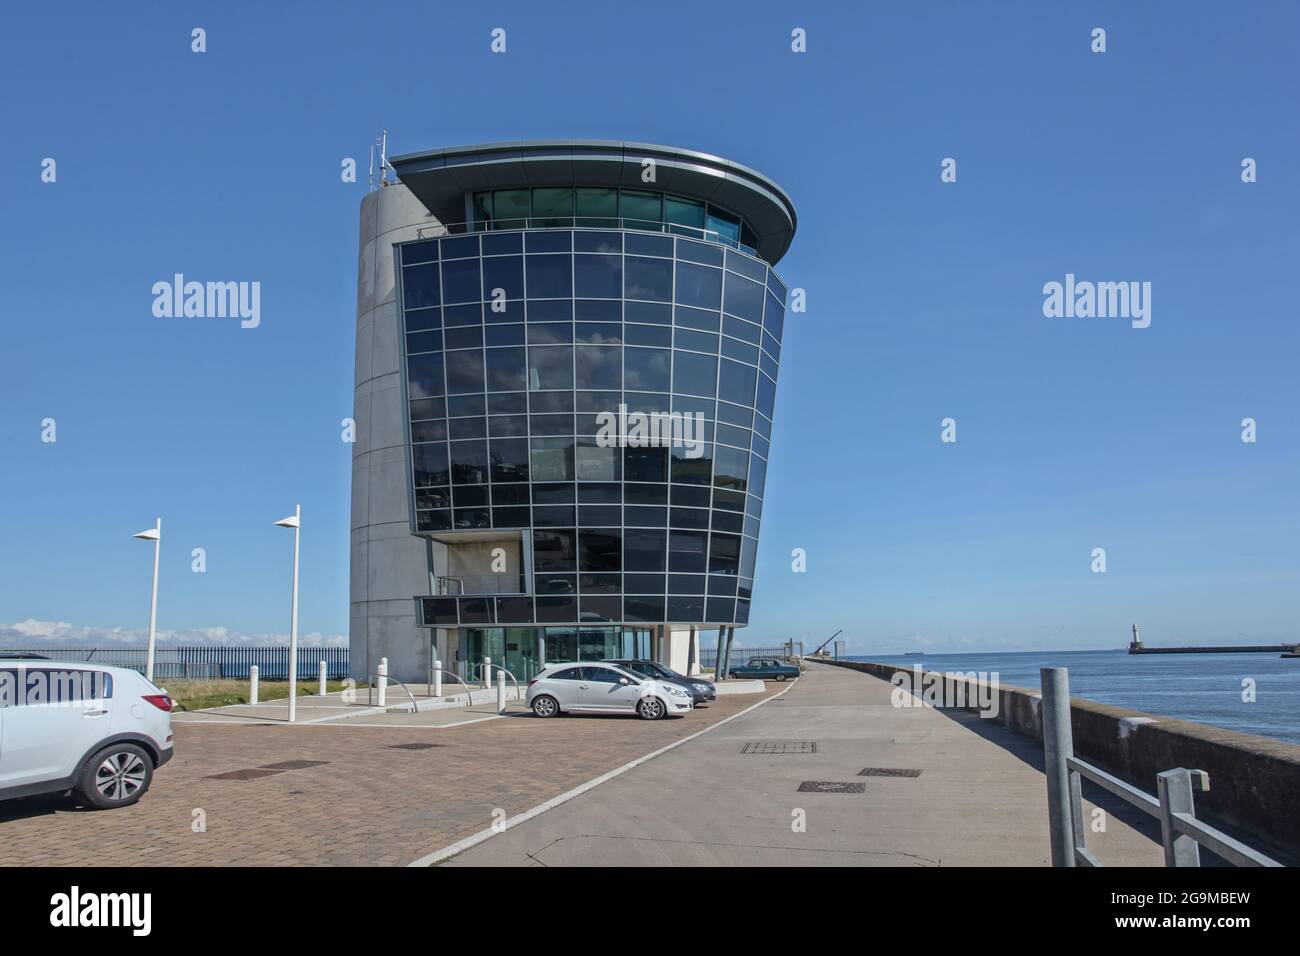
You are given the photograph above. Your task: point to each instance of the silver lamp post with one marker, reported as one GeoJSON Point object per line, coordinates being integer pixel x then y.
{"type": "Point", "coordinates": [294, 521]}
{"type": "Point", "coordinates": [153, 534]}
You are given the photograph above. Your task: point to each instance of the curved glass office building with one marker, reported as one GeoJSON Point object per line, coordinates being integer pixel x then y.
{"type": "Point", "coordinates": [564, 421]}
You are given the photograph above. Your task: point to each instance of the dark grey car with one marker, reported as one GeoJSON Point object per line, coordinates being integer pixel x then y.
{"type": "Point", "coordinates": [702, 691]}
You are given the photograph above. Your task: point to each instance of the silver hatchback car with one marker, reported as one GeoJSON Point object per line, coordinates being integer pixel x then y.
{"type": "Point", "coordinates": [595, 688]}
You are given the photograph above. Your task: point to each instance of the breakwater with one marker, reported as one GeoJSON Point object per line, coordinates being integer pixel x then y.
{"type": "Point", "coordinates": [1287, 649]}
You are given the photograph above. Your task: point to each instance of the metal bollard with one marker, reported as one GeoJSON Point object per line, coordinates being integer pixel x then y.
{"type": "Point", "coordinates": [324, 678]}
{"type": "Point", "coordinates": [1058, 744]}
{"type": "Point", "coordinates": [501, 691]}
{"type": "Point", "coordinates": [252, 684]}
{"type": "Point", "coordinates": [487, 672]}
{"type": "Point", "coordinates": [437, 678]}
{"type": "Point", "coordinates": [383, 681]}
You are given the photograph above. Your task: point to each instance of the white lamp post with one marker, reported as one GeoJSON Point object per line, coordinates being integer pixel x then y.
{"type": "Point", "coordinates": [294, 521]}
{"type": "Point", "coordinates": [154, 534]}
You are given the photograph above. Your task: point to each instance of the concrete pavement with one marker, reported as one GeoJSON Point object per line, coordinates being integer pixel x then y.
{"type": "Point", "coordinates": [979, 799]}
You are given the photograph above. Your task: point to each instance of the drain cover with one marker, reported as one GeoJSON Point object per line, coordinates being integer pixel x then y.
{"type": "Point", "coordinates": [830, 786]}
{"type": "Point", "coordinates": [293, 764]}
{"type": "Point", "coordinates": [242, 775]}
{"type": "Point", "coordinates": [414, 746]}
{"type": "Point", "coordinates": [780, 747]}
{"type": "Point", "coordinates": [888, 772]}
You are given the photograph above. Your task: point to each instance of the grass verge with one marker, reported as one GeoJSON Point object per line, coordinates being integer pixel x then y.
{"type": "Point", "coordinates": [192, 694]}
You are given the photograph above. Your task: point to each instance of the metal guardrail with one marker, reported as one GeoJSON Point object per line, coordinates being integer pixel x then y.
{"type": "Point", "coordinates": [1181, 833]}
{"type": "Point", "coordinates": [476, 584]}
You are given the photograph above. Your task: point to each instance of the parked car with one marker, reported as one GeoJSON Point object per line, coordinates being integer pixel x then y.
{"type": "Point", "coordinates": [765, 668]}
{"type": "Point", "coordinates": [602, 688]}
{"type": "Point", "coordinates": [97, 731]}
{"type": "Point", "coordinates": [701, 690]}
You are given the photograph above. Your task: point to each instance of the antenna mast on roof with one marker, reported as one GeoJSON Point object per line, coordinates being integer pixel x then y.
{"type": "Point", "coordinates": [381, 145]}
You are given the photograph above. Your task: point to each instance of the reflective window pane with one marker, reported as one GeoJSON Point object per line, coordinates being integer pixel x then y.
{"type": "Point", "coordinates": [686, 212]}
{"type": "Point", "coordinates": [743, 298]}
{"type": "Point", "coordinates": [464, 371]}
{"type": "Point", "coordinates": [424, 375]}
{"type": "Point", "coordinates": [688, 551]}
{"type": "Point", "coordinates": [644, 369]}
{"type": "Point", "coordinates": [598, 277]}
{"type": "Point", "coordinates": [598, 463]}
{"type": "Point", "coordinates": [598, 204]}
{"type": "Point", "coordinates": [694, 374]}
{"type": "Point", "coordinates": [552, 459]}
{"type": "Point", "coordinates": [508, 459]}
{"type": "Point", "coordinates": [644, 549]}
{"type": "Point", "coordinates": [431, 464]}
{"type": "Point", "coordinates": [552, 203]}
{"type": "Point", "coordinates": [736, 382]}
{"type": "Point", "coordinates": [645, 278]}
{"type": "Point", "coordinates": [600, 550]}
{"type": "Point", "coordinates": [469, 462]}
{"type": "Point", "coordinates": [699, 286]}
{"type": "Point", "coordinates": [550, 367]}
{"type": "Point", "coordinates": [510, 208]}
{"type": "Point", "coordinates": [503, 277]}
{"type": "Point", "coordinates": [730, 468]}
{"type": "Point", "coordinates": [642, 207]}
{"type": "Point", "coordinates": [598, 366]}
{"type": "Point", "coordinates": [420, 286]}
{"type": "Point", "coordinates": [550, 276]}
{"type": "Point", "coordinates": [461, 281]}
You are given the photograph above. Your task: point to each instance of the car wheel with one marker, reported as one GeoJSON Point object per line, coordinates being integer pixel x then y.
{"type": "Point", "coordinates": [545, 706]}
{"type": "Point", "coordinates": [117, 776]}
{"type": "Point", "coordinates": [650, 708]}
{"type": "Point", "coordinates": [779, 677]}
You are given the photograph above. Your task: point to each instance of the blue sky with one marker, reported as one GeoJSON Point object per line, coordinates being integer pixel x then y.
{"type": "Point", "coordinates": [924, 298]}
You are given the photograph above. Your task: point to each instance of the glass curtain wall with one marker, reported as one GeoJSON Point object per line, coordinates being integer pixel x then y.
{"type": "Point", "coordinates": [516, 342]}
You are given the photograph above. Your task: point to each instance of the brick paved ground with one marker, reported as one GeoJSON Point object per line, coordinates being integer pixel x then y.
{"type": "Point", "coordinates": [369, 804]}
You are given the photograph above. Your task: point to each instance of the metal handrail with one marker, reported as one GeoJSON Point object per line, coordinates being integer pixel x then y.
{"type": "Point", "coordinates": [1182, 833]}
{"type": "Point", "coordinates": [370, 686]}
{"type": "Point", "coordinates": [469, 695]}
{"type": "Point", "coordinates": [1235, 852]}
{"type": "Point", "coordinates": [518, 693]}
{"type": "Point", "coordinates": [1181, 823]}
{"type": "Point", "coordinates": [507, 583]}
{"type": "Point", "coordinates": [469, 691]}
{"type": "Point", "coordinates": [1139, 798]}
{"type": "Point", "coordinates": [584, 222]}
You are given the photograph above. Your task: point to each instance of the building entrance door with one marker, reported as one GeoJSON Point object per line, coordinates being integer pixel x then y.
{"type": "Point", "coordinates": [520, 653]}
{"type": "Point", "coordinates": [514, 648]}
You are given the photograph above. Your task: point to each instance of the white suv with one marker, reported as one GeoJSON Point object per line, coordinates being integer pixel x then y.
{"type": "Point", "coordinates": [99, 731]}
{"type": "Point", "coordinates": [595, 688]}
